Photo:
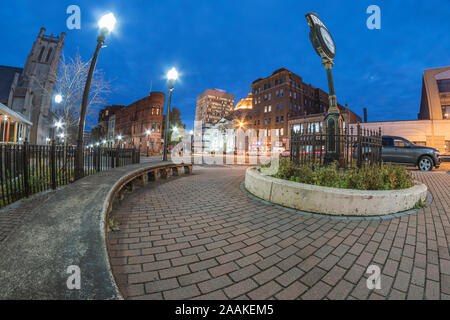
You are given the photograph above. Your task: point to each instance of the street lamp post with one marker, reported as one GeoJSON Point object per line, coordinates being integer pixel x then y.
{"type": "Point", "coordinates": [172, 75]}
{"type": "Point", "coordinates": [106, 25]}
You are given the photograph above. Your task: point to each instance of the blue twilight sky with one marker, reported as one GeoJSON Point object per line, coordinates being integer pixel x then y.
{"type": "Point", "coordinates": [229, 43]}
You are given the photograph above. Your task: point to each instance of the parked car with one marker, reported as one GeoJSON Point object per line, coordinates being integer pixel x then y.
{"type": "Point", "coordinates": [398, 150]}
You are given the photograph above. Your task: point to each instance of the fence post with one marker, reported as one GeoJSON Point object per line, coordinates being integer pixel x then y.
{"type": "Point", "coordinates": [53, 164]}
{"type": "Point", "coordinates": [26, 169]}
{"type": "Point", "coordinates": [98, 159]}
{"type": "Point", "coordinates": [117, 155]}
{"type": "Point", "coordinates": [358, 139]}
{"type": "Point", "coordinates": [380, 147]}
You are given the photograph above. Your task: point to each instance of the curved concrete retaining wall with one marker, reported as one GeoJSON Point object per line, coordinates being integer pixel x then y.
{"type": "Point", "coordinates": [332, 201]}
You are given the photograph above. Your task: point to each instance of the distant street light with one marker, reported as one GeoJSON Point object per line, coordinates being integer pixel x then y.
{"type": "Point", "coordinates": [106, 25]}
{"type": "Point", "coordinates": [59, 124]}
{"type": "Point", "coordinates": [172, 75]}
{"type": "Point", "coordinates": [58, 98]}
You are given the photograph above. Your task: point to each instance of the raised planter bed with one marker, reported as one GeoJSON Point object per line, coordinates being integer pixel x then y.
{"type": "Point", "coordinates": [333, 201]}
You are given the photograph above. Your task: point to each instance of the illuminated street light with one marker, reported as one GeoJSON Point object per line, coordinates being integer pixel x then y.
{"type": "Point", "coordinates": [148, 132]}
{"type": "Point", "coordinates": [59, 124]}
{"type": "Point", "coordinates": [191, 132]}
{"type": "Point", "coordinates": [119, 137]}
{"type": "Point", "coordinates": [106, 24]}
{"type": "Point", "coordinates": [172, 75]}
{"type": "Point", "coordinates": [58, 98]}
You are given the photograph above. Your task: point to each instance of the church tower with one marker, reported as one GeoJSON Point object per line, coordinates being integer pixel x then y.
{"type": "Point", "coordinates": [36, 85]}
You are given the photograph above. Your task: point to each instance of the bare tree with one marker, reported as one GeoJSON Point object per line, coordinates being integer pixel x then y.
{"type": "Point", "coordinates": [70, 82]}
{"type": "Point", "coordinates": [70, 85]}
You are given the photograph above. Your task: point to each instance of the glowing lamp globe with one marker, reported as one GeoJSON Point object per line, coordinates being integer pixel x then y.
{"type": "Point", "coordinates": [58, 98]}
{"type": "Point", "coordinates": [172, 75]}
{"type": "Point", "coordinates": [107, 22]}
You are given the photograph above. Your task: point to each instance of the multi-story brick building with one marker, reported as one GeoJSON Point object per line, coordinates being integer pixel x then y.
{"type": "Point", "coordinates": [106, 122]}
{"type": "Point", "coordinates": [140, 123]}
{"type": "Point", "coordinates": [213, 105]}
{"type": "Point", "coordinates": [282, 100]}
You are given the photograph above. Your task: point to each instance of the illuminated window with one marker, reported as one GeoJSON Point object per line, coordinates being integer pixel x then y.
{"type": "Point", "coordinates": [446, 112]}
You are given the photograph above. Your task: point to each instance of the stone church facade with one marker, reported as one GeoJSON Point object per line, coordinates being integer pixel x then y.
{"type": "Point", "coordinates": [31, 89]}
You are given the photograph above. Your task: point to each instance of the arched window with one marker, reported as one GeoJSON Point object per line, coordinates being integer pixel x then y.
{"type": "Point", "coordinates": [41, 54]}
{"type": "Point", "coordinates": [49, 54]}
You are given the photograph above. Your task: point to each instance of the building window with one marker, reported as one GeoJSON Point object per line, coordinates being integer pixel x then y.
{"type": "Point", "coordinates": [282, 92]}
{"type": "Point", "coordinates": [282, 119]}
{"type": "Point", "coordinates": [41, 54]}
{"type": "Point", "coordinates": [446, 112]}
{"type": "Point", "coordinates": [270, 108]}
{"type": "Point", "coordinates": [265, 121]}
{"type": "Point", "coordinates": [265, 109]}
{"type": "Point", "coordinates": [49, 54]}
{"type": "Point", "coordinates": [282, 132]}
{"type": "Point", "coordinates": [444, 85]}
{"type": "Point", "coordinates": [277, 119]}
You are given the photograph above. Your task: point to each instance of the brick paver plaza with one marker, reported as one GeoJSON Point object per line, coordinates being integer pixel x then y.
{"type": "Point", "coordinates": [201, 237]}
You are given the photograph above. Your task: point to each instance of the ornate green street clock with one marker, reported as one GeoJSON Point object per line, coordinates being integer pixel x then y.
{"type": "Point", "coordinates": [324, 45]}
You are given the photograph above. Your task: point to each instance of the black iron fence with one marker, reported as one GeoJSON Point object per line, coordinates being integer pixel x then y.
{"type": "Point", "coordinates": [28, 169]}
{"type": "Point", "coordinates": [354, 147]}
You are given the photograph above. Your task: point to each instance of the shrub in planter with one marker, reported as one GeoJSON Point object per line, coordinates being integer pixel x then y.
{"type": "Point", "coordinates": [384, 177]}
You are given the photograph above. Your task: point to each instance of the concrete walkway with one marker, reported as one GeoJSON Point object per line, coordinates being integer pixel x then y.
{"type": "Point", "coordinates": [65, 229]}
{"type": "Point", "coordinates": [201, 237]}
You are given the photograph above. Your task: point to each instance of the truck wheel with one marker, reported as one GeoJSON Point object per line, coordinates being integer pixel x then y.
{"type": "Point", "coordinates": [425, 163]}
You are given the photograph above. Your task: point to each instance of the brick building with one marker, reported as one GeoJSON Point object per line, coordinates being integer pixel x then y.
{"type": "Point", "coordinates": [283, 100]}
{"type": "Point", "coordinates": [140, 123]}
{"type": "Point", "coordinates": [106, 122]}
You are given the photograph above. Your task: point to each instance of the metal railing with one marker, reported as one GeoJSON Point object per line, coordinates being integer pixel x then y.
{"type": "Point", "coordinates": [28, 169]}
{"type": "Point", "coordinates": [355, 148]}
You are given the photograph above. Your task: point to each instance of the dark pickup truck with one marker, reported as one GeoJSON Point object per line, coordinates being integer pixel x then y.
{"type": "Point", "coordinates": [398, 150]}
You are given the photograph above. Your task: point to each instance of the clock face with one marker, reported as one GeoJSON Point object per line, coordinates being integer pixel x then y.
{"type": "Point", "coordinates": [328, 40]}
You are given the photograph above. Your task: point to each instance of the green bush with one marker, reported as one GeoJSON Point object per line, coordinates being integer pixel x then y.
{"type": "Point", "coordinates": [384, 177]}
